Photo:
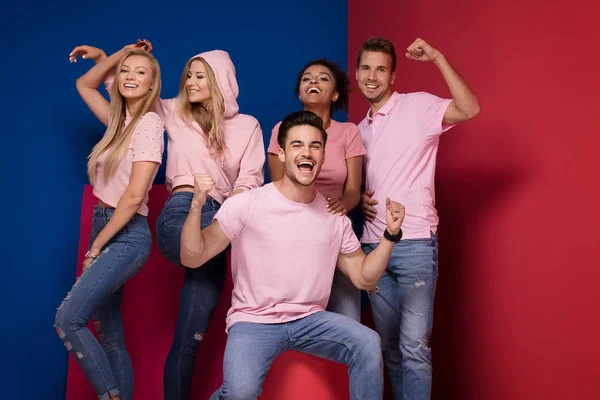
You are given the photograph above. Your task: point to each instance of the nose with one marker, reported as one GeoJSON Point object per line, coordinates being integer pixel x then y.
{"type": "Point", "coordinates": [371, 75]}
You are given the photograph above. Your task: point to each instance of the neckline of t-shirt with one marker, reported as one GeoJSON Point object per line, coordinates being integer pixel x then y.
{"type": "Point", "coordinates": [292, 202]}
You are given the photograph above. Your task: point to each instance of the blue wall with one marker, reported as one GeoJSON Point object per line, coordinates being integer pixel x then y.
{"type": "Point", "coordinates": [48, 132]}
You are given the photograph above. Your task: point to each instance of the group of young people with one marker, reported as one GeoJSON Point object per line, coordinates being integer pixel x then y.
{"type": "Point", "coordinates": [297, 264]}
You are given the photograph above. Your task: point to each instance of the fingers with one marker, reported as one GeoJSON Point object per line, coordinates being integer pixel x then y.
{"type": "Point", "coordinates": [144, 44]}
{"type": "Point", "coordinates": [369, 193]}
{"type": "Point", "coordinates": [203, 183]}
{"type": "Point", "coordinates": [79, 50]}
{"type": "Point", "coordinates": [416, 49]}
{"type": "Point", "coordinates": [335, 206]}
{"type": "Point", "coordinates": [369, 214]}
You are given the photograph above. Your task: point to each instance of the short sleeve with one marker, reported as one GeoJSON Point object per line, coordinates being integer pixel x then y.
{"type": "Point", "coordinates": [350, 242]}
{"type": "Point", "coordinates": [148, 139]}
{"type": "Point", "coordinates": [430, 110]}
{"type": "Point", "coordinates": [233, 214]}
{"type": "Point", "coordinates": [354, 143]}
{"type": "Point", "coordinates": [273, 143]}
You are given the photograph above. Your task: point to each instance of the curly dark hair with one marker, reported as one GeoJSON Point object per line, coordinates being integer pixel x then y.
{"type": "Point", "coordinates": [341, 83]}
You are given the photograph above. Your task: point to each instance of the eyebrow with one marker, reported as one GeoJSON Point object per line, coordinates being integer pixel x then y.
{"type": "Point", "coordinates": [320, 73]}
{"type": "Point", "coordinates": [378, 66]}
{"type": "Point", "coordinates": [139, 66]}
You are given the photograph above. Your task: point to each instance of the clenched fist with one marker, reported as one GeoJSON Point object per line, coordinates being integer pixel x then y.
{"type": "Point", "coordinates": [202, 185]}
{"type": "Point", "coordinates": [394, 215]}
{"type": "Point", "coordinates": [421, 51]}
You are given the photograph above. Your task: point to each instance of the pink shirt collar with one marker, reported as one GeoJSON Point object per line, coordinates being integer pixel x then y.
{"type": "Point", "coordinates": [387, 107]}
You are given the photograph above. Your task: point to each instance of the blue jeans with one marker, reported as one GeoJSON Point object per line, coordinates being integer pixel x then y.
{"type": "Point", "coordinates": [98, 293]}
{"type": "Point", "coordinates": [403, 315]}
{"type": "Point", "coordinates": [200, 294]}
{"type": "Point", "coordinates": [345, 297]}
{"type": "Point", "coordinates": [252, 348]}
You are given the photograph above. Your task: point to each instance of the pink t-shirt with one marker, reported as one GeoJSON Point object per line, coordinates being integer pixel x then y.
{"type": "Point", "coordinates": [343, 141]}
{"type": "Point", "coordinates": [146, 144]}
{"type": "Point", "coordinates": [402, 141]}
{"type": "Point", "coordinates": [284, 254]}
{"type": "Point", "coordinates": [241, 165]}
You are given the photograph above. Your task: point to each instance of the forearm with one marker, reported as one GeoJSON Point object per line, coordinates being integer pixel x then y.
{"type": "Point", "coordinates": [464, 98]}
{"type": "Point", "coordinates": [192, 242]}
{"type": "Point", "coordinates": [375, 263]}
{"type": "Point", "coordinates": [350, 198]}
{"type": "Point", "coordinates": [95, 76]}
{"type": "Point", "coordinates": [126, 208]}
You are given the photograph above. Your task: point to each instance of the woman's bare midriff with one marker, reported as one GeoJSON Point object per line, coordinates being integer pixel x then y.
{"type": "Point", "coordinates": [103, 204]}
{"type": "Point", "coordinates": [183, 188]}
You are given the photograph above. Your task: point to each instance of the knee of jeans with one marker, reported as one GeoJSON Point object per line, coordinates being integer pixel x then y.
{"type": "Point", "coordinates": [241, 389]}
{"type": "Point", "coordinates": [371, 342]}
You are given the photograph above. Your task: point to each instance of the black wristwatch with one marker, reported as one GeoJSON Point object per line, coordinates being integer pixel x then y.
{"type": "Point", "coordinates": [392, 238]}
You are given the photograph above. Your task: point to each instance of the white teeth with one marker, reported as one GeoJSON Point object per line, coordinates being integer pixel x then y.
{"type": "Point", "coordinates": [371, 86]}
{"type": "Point", "coordinates": [314, 90]}
{"type": "Point", "coordinates": [130, 85]}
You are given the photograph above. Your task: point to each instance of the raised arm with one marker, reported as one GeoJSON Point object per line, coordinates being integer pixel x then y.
{"type": "Point", "coordinates": [200, 245]}
{"type": "Point", "coordinates": [87, 85]}
{"type": "Point", "coordinates": [365, 270]}
{"type": "Point", "coordinates": [465, 105]}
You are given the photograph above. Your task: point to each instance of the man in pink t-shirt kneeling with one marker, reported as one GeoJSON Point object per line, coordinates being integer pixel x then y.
{"type": "Point", "coordinates": [285, 247]}
{"type": "Point", "coordinates": [401, 133]}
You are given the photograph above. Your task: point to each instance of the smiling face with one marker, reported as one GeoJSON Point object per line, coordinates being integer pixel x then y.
{"type": "Point", "coordinates": [317, 86]}
{"type": "Point", "coordinates": [374, 76]}
{"type": "Point", "coordinates": [135, 77]}
{"type": "Point", "coordinates": [303, 154]}
{"type": "Point", "coordinates": [197, 86]}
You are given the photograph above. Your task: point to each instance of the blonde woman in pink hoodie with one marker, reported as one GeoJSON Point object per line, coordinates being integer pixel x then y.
{"type": "Point", "coordinates": [206, 135]}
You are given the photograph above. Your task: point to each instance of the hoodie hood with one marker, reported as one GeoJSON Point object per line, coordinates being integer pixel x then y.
{"type": "Point", "coordinates": [224, 71]}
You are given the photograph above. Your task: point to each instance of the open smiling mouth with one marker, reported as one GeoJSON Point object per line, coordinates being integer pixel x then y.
{"type": "Point", "coordinates": [314, 90]}
{"type": "Point", "coordinates": [305, 167]}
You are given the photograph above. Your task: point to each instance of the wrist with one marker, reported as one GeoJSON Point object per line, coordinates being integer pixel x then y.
{"type": "Point", "coordinates": [439, 59]}
{"type": "Point", "coordinates": [392, 235]}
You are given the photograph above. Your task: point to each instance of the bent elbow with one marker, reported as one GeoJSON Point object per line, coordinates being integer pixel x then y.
{"type": "Point", "coordinates": [188, 260]}
{"type": "Point", "coordinates": [474, 111]}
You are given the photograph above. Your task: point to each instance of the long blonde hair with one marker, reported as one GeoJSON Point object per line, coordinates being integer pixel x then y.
{"type": "Point", "coordinates": [209, 115]}
{"type": "Point", "coordinates": [116, 139]}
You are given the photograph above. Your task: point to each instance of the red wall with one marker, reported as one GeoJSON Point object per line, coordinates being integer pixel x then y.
{"type": "Point", "coordinates": [516, 315]}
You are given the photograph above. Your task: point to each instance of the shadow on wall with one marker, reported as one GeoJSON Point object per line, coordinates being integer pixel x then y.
{"type": "Point", "coordinates": [468, 190]}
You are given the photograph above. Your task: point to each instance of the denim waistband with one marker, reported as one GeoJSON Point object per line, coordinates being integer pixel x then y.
{"type": "Point", "coordinates": [100, 211]}
{"type": "Point", "coordinates": [211, 204]}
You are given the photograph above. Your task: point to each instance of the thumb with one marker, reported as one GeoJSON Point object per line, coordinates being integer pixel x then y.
{"type": "Point", "coordinates": [387, 202]}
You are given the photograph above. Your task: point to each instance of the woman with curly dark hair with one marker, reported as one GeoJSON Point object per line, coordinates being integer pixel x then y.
{"type": "Point", "coordinates": [322, 87]}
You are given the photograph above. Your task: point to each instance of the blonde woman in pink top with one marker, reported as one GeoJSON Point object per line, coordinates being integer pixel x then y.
{"type": "Point", "coordinates": [121, 168]}
{"type": "Point", "coordinates": [207, 135]}
{"type": "Point", "coordinates": [322, 87]}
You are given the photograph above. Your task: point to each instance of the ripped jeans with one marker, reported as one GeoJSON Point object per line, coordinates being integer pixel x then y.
{"type": "Point", "coordinates": [199, 296]}
{"type": "Point", "coordinates": [403, 314]}
{"type": "Point", "coordinates": [98, 293]}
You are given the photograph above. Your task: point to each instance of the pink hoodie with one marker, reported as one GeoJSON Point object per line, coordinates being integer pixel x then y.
{"type": "Point", "coordinates": [187, 153]}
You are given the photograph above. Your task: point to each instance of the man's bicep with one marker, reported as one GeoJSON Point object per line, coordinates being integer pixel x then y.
{"type": "Point", "coordinates": [215, 240]}
{"type": "Point", "coordinates": [351, 265]}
